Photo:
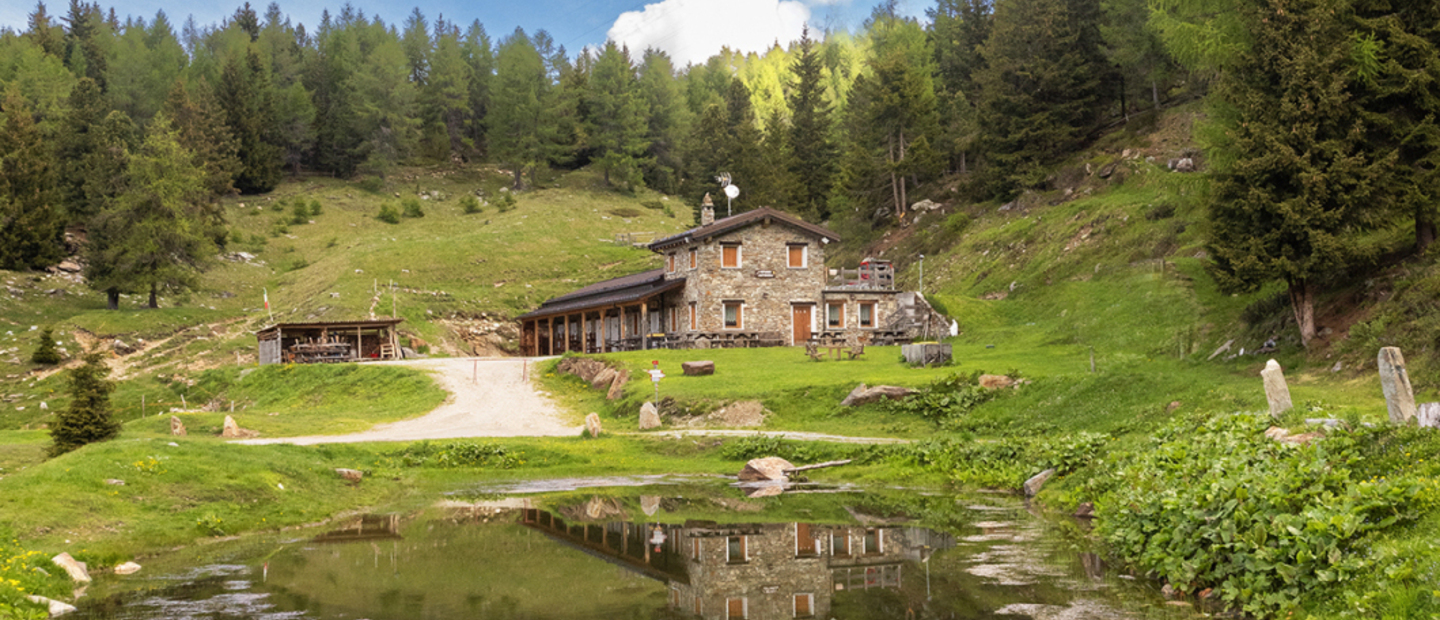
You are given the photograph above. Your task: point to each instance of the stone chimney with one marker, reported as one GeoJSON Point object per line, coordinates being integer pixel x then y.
{"type": "Point", "coordinates": [707, 211]}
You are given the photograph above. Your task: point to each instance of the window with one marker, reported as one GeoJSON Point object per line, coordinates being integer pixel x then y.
{"type": "Point", "coordinates": [730, 256]}
{"type": "Point", "coordinates": [670, 263]}
{"type": "Point", "coordinates": [692, 316]}
{"type": "Point", "coordinates": [733, 315]}
{"type": "Point", "coordinates": [840, 543]}
{"type": "Point", "coordinates": [735, 552]}
{"type": "Point", "coordinates": [694, 258]}
{"type": "Point", "coordinates": [874, 543]}
{"type": "Point", "coordinates": [867, 314]}
{"type": "Point", "coordinates": [797, 256]}
{"type": "Point", "coordinates": [804, 605]}
{"type": "Point", "coordinates": [835, 315]}
{"type": "Point", "coordinates": [805, 543]}
{"type": "Point", "coordinates": [735, 608]}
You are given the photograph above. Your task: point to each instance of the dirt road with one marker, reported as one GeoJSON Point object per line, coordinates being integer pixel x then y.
{"type": "Point", "coordinates": [488, 398]}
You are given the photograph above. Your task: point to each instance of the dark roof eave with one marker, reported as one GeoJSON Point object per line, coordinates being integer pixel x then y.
{"type": "Point", "coordinates": [728, 224]}
{"type": "Point", "coordinates": [606, 299]}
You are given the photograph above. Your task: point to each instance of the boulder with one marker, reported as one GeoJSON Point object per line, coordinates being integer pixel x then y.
{"type": "Point", "coordinates": [1185, 165]}
{"type": "Point", "coordinates": [1032, 486]}
{"type": "Point", "coordinates": [177, 428]}
{"type": "Point", "coordinates": [617, 387]}
{"type": "Point", "coordinates": [1428, 415]}
{"type": "Point", "coordinates": [649, 504]}
{"type": "Point", "coordinates": [603, 378]}
{"type": "Point", "coordinates": [863, 396]}
{"type": "Point", "coordinates": [233, 430]}
{"type": "Point", "coordinates": [1277, 393]}
{"type": "Point", "coordinates": [995, 381]}
{"type": "Point", "coordinates": [121, 348]}
{"type": "Point", "coordinates": [768, 468]}
{"type": "Point", "coordinates": [584, 367]}
{"type": "Point", "coordinates": [592, 424]}
{"type": "Point", "coordinates": [352, 475]}
{"type": "Point", "coordinates": [56, 608]}
{"type": "Point", "coordinates": [649, 416]}
{"type": "Point", "coordinates": [69, 266]}
{"type": "Point", "coordinates": [1395, 383]}
{"type": "Point", "coordinates": [75, 569]}
{"type": "Point", "coordinates": [128, 568]}
{"type": "Point", "coordinates": [697, 369]}
{"type": "Point", "coordinates": [115, 482]}
{"type": "Point", "coordinates": [925, 205]}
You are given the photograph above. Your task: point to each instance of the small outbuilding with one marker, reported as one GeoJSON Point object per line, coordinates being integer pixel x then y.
{"type": "Point", "coordinates": [339, 341]}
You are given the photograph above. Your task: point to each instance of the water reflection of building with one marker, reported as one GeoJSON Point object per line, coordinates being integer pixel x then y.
{"type": "Point", "coordinates": [367, 527]}
{"type": "Point", "coordinates": [752, 570]}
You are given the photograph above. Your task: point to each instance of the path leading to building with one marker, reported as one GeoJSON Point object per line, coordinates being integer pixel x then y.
{"type": "Point", "coordinates": [489, 397]}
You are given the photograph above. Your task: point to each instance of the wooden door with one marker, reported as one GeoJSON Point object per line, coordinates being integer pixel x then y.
{"type": "Point", "coordinates": [800, 319]}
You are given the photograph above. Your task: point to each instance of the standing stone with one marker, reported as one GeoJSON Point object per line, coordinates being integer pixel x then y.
{"type": "Point", "coordinates": [617, 387]}
{"type": "Point", "coordinates": [177, 428]}
{"type": "Point", "coordinates": [1395, 382]}
{"type": "Point", "coordinates": [1428, 415]}
{"type": "Point", "coordinates": [1277, 393]}
{"type": "Point", "coordinates": [592, 424]}
{"type": "Point", "coordinates": [603, 378]}
{"type": "Point", "coordinates": [649, 417]}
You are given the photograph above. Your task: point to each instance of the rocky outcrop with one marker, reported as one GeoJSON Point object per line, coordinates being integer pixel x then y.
{"type": "Point", "coordinates": [863, 395]}
{"type": "Point", "coordinates": [617, 386]}
{"type": "Point", "coordinates": [177, 428]}
{"type": "Point", "coordinates": [995, 381]}
{"type": "Point", "coordinates": [351, 475]}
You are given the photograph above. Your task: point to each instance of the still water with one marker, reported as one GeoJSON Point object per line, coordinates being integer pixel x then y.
{"type": "Point", "coordinates": [680, 550]}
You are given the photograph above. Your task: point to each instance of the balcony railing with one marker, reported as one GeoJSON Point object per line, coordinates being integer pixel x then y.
{"type": "Point", "coordinates": [873, 276]}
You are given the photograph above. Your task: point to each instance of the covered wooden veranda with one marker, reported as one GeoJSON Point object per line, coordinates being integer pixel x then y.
{"type": "Point", "coordinates": [622, 314]}
{"type": "Point", "coordinates": [337, 341]}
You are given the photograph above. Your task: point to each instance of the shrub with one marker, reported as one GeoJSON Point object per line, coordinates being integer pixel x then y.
{"type": "Point", "coordinates": [300, 213]}
{"type": "Point", "coordinates": [458, 454]}
{"type": "Point", "coordinates": [315, 208]}
{"type": "Point", "coordinates": [957, 223]}
{"type": "Point", "coordinates": [88, 419]}
{"type": "Point", "coordinates": [277, 206]}
{"type": "Point", "coordinates": [371, 184]}
{"type": "Point", "coordinates": [45, 352]}
{"type": "Point", "coordinates": [411, 208]}
{"type": "Point", "coordinates": [505, 203]}
{"type": "Point", "coordinates": [388, 214]}
{"type": "Point", "coordinates": [470, 204]}
{"type": "Point", "coordinates": [625, 212]}
{"type": "Point", "coordinates": [945, 398]}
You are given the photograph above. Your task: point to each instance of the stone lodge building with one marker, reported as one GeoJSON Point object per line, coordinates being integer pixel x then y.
{"type": "Point", "coordinates": [754, 279]}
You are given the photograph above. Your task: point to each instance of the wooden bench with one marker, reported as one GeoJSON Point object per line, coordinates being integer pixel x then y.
{"type": "Point", "coordinates": [813, 350]}
{"type": "Point", "coordinates": [856, 350]}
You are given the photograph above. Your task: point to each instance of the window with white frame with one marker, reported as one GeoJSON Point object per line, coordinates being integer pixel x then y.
{"type": "Point", "coordinates": [734, 314]}
{"type": "Point", "coordinates": [804, 605]}
{"type": "Point", "coordinates": [730, 256]}
{"type": "Point", "coordinates": [867, 314]}
{"type": "Point", "coordinates": [797, 255]}
{"type": "Point", "coordinates": [835, 315]}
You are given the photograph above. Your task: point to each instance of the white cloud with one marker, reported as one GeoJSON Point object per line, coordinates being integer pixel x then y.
{"type": "Point", "coordinates": [692, 30]}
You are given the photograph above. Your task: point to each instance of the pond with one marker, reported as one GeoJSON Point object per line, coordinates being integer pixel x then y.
{"type": "Point", "coordinates": [667, 549]}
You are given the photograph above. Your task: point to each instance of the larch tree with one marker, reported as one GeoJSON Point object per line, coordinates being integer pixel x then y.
{"type": "Point", "coordinates": [615, 118]}
{"type": "Point", "coordinates": [1296, 175]}
{"type": "Point", "coordinates": [515, 135]}
{"type": "Point", "coordinates": [480, 59]}
{"type": "Point", "coordinates": [200, 127]}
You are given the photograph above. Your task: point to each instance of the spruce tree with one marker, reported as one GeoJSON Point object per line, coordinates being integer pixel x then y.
{"type": "Point", "coordinates": [615, 118]}
{"type": "Point", "coordinates": [480, 58]}
{"type": "Point", "coordinates": [74, 144]}
{"type": "Point", "coordinates": [666, 122]}
{"type": "Point", "coordinates": [813, 151]}
{"type": "Point", "coordinates": [45, 352]}
{"type": "Point", "coordinates": [338, 140]}
{"type": "Point", "coordinates": [200, 126]}
{"type": "Point", "coordinates": [446, 95]}
{"type": "Point", "coordinates": [247, 97]}
{"type": "Point", "coordinates": [88, 418]}
{"type": "Point", "coordinates": [776, 155]}
{"type": "Point", "coordinates": [31, 219]}
{"type": "Point", "coordinates": [85, 42]}
{"type": "Point", "coordinates": [1295, 173]}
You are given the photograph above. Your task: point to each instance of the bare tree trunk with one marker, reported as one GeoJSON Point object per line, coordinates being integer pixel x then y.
{"type": "Point", "coordinates": [1424, 230]}
{"type": "Point", "coordinates": [895, 184]}
{"type": "Point", "coordinates": [154, 302]}
{"type": "Point", "coordinates": [963, 168]}
{"type": "Point", "coordinates": [1155, 94]}
{"type": "Point", "coordinates": [519, 170]}
{"type": "Point", "coordinates": [1302, 301]}
{"type": "Point", "coordinates": [112, 298]}
{"type": "Point", "coordinates": [1124, 101]}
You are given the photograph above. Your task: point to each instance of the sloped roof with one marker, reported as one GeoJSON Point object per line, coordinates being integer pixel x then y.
{"type": "Point", "coordinates": [740, 221]}
{"type": "Point", "coordinates": [624, 289]}
{"type": "Point", "coordinates": [335, 325]}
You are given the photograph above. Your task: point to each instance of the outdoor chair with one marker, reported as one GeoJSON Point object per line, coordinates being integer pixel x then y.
{"type": "Point", "coordinates": [813, 350]}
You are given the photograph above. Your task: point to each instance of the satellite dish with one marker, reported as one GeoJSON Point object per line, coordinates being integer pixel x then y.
{"type": "Point", "coordinates": [732, 191]}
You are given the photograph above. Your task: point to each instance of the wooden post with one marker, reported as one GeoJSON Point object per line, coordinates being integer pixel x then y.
{"type": "Point", "coordinates": [644, 325]}
{"type": "Point", "coordinates": [584, 335]}
{"type": "Point", "coordinates": [550, 331]}
{"type": "Point", "coordinates": [359, 344]}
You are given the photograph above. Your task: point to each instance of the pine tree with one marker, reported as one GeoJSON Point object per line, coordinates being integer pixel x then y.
{"type": "Point", "coordinates": [1039, 91]}
{"type": "Point", "coordinates": [386, 118]}
{"type": "Point", "coordinates": [31, 219]}
{"type": "Point", "coordinates": [446, 96]}
{"type": "Point", "coordinates": [776, 155]}
{"type": "Point", "coordinates": [88, 418]}
{"type": "Point", "coordinates": [247, 97]}
{"type": "Point", "coordinates": [74, 144]}
{"type": "Point", "coordinates": [515, 134]}
{"type": "Point", "coordinates": [200, 127]}
{"type": "Point", "coordinates": [480, 58]}
{"type": "Point", "coordinates": [43, 32]}
{"type": "Point", "coordinates": [615, 118]}
{"type": "Point", "coordinates": [45, 351]}
{"type": "Point", "coordinates": [813, 163]}
{"type": "Point", "coordinates": [338, 140]}
{"type": "Point", "coordinates": [666, 122]}
{"type": "Point", "coordinates": [958, 29]}
{"type": "Point", "coordinates": [740, 153]}
{"type": "Point", "coordinates": [1295, 174]}
{"type": "Point", "coordinates": [85, 50]}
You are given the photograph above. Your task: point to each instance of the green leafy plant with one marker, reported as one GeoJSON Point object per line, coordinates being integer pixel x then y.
{"type": "Point", "coordinates": [410, 207]}
{"type": "Point", "coordinates": [469, 204]}
{"type": "Point", "coordinates": [945, 398]}
{"type": "Point", "coordinates": [211, 525]}
{"type": "Point", "coordinates": [505, 203]}
{"type": "Point", "coordinates": [458, 454]}
{"type": "Point", "coordinates": [388, 214]}
{"type": "Point", "coordinates": [299, 213]}
{"type": "Point", "coordinates": [315, 208]}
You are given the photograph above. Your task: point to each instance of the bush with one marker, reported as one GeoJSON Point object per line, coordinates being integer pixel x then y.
{"type": "Point", "coordinates": [277, 206]}
{"type": "Point", "coordinates": [411, 208]}
{"type": "Point", "coordinates": [957, 223]}
{"type": "Point", "coordinates": [45, 352]}
{"type": "Point", "coordinates": [388, 214]}
{"type": "Point", "coordinates": [944, 399]}
{"type": "Point", "coordinates": [458, 454]}
{"type": "Point", "coordinates": [470, 204]}
{"type": "Point", "coordinates": [505, 203]}
{"type": "Point", "coordinates": [315, 208]}
{"type": "Point", "coordinates": [653, 204]}
{"type": "Point", "coordinates": [88, 419]}
{"type": "Point", "coordinates": [371, 184]}
{"type": "Point", "coordinates": [300, 213]}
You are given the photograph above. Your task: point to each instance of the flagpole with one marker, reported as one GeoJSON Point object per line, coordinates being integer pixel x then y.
{"type": "Point", "coordinates": [267, 304]}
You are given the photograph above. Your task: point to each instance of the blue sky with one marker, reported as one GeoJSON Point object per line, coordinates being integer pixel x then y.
{"type": "Point", "coordinates": [689, 30]}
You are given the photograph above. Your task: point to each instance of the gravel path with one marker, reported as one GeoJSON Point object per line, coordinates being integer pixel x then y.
{"type": "Point", "coordinates": [488, 398]}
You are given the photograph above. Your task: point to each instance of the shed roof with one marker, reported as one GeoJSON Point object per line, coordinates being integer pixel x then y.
{"type": "Point", "coordinates": [740, 221]}
{"type": "Point", "coordinates": [606, 293]}
{"type": "Point", "coordinates": [336, 325]}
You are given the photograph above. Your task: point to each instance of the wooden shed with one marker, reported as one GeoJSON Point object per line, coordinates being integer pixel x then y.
{"type": "Point", "coordinates": [339, 341]}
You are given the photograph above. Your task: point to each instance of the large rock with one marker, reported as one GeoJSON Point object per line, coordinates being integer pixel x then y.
{"type": "Point", "coordinates": [995, 381]}
{"type": "Point", "coordinates": [1277, 393]}
{"type": "Point", "coordinates": [592, 424]}
{"type": "Point", "coordinates": [768, 468]}
{"type": "Point", "coordinates": [74, 568]}
{"type": "Point", "coordinates": [1395, 382]}
{"type": "Point", "coordinates": [233, 430]}
{"type": "Point", "coordinates": [862, 395]}
{"type": "Point", "coordinates": [696, 369]}
{"type": "Point", "coordinates": [584, 367]}
{"type": "Point", "coordinates": [69, 266]}
{"type": "Point", "coordinates": [649, 416]}
{"type": "Point", "coordinates": [352, 475]}
{"type": "Point", "coordinates": [617, 386]}
{"type": "Point", "coordinates": [177, 428]}
{"type": "Point", "coordinates": [128, 568]}
{"type": "Point", "coordinates": [1428, 415]}
{"type": "Point", "coordinates": [603, 378]}
{"type": "Point", "coordinates": [1032, 486]}
{"type": "Point", "coordinates": [121, 348]}
{"type": "Point", "coordinates": [54, 607]}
